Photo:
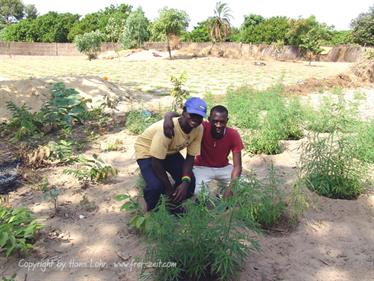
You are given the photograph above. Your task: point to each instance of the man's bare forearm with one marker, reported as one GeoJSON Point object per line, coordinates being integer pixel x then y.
{"type": "Point", "coordinates": [162, 176]}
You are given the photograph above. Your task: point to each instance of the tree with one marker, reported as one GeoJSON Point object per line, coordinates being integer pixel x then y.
{"type": "Point", "coordinates": [136, 30]}
{"type": "Point", "coordinates": [312, 40]}
{"type": "Point", "coordinates": [266, 31]}
{"type": "Point", "coordinates": [89, 43]}
{"type": "Point", "coordinates": [109, 22]}
{"type": "Point", "coordinates": [220, 22]}
{"type": "Point", "coordinates": [252, 20]}
{"type": "Point", "coordinates": [363, 28]}
{"type": "Point", "coordinates": [298, 28]}
{"type": "Point", "coordinates": [171, 22]}
{"type": "Point", "coordinates": [30, 11]}
{"type": "Point", "coordinates": [51, 27]}
{"type": "Point", "coordinates": [11, 11]}
{"type": "Point", "coordinates": [200, 33]}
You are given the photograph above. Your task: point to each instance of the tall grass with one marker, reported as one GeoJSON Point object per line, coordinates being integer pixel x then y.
{"type": "Point", "coordinates": [330, 168]}
{"type": "Point", "coordinates": [266, 116]}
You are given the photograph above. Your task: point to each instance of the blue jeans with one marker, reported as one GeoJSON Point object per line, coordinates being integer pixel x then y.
{"type": "Point", "coordinates": [173, 164]}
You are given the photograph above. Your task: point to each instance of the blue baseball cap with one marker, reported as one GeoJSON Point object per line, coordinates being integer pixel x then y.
{"type": "Point", "coordinates": [196, 106]}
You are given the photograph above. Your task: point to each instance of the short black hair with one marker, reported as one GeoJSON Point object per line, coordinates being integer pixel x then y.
{"type": "Point", "coordinates": [220, 109]}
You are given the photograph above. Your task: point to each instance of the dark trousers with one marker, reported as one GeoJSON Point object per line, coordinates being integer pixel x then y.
{"type": "Point", "coordinates": [173, 164]}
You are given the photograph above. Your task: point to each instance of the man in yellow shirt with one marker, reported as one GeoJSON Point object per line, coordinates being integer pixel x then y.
{"type": "Point", "coordinates": [157, 154]}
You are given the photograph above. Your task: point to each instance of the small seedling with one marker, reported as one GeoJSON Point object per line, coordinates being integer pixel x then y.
{"type": "Point", "coordinates": [52, 194]}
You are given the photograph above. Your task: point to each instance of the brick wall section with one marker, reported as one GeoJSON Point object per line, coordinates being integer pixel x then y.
{"type": "Point", "coordinates": [46, 49]}
{"type": "Point", "coordinates": [227, 49]}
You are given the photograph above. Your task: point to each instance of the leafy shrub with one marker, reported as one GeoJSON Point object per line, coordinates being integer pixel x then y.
{"type": "Point", "coordinates": [17, 229]}
{"type": "Point", "coordinates": [178, 93]}
{"type": "Point", "coordinates": [65, 108]}
{"type": "Point", "coordinates": [258, 201]}
{"type": "Point", "coordinates": [23, 121]}
{"type": "Point", "coordinates": [202, 243]}
{"type": "Point", "coordinates": [61, 151]}
{"type": "Point", "coordinates": [92, 169]}
{"type": "Point", "coordinates": [137, 121]}
{"type": "Point", "coordinates": [330, 168]}
{"type": "Point", "coordinates": [89, 43]}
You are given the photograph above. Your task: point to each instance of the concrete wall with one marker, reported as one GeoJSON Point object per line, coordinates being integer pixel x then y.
{"type": "Point", "coordinates": [46, 49]}
{"type": "Point", "coordinates": [344, 53]}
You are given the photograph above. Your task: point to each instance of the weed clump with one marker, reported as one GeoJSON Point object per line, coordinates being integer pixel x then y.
{"type": "Point", "coordinates": [330, 167]}
{"type": "Point", "coordinates": [137, 121]}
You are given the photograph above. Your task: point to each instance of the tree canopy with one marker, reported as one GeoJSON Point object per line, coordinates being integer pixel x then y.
{"type": "Point", "coordinates": [363, 28]}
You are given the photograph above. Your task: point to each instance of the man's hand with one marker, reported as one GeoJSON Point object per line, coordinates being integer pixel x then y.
{"type": "Point", "coordinates": [169, 125]}
{"type": "Point", "coordinates": [181, 192]}
{"type": "Point", "coordinates": [228, 193]}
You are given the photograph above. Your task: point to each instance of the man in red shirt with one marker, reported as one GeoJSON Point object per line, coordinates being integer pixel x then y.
{"type": "Point", "coordinates": [217, 143]}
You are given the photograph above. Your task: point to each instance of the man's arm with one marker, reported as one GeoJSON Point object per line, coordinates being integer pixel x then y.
{"type": "Point", "coordinates": [236, 172]}
{"type": "Point", "coordinates": [168, 124]}
{"type": "Point", "coordinates": [160, 172]}
{"type": "Point", "coordinates": [181, 191]}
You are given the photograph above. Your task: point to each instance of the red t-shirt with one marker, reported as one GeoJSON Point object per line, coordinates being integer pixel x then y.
{"type": "Point", "coordinates": [214, 153]}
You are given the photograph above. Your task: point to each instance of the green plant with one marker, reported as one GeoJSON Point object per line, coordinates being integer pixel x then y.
{"type": "Point", "coordinates": [65, 108]}
{"type": "Point", "coordinates": [138, 219]}
{"type": "Point", "coordinates": [11, 278]}
{"type": "Point", "coordinates": [17, 229]}
{"type": "Point", "coordinates": [363, 137]}
{"type": "Point", "coordinates": [137, 121]}
{"type": "Point", "coordinates": [62, 151]}
{"type": "Point", "coordinates": [92, 169]}
{"type": "Point", "coordinates": [52, 194]}
{"type": "Point", "coordinates": [259, 202]}
{"type": "Point", "coordinates": [177, 92]}
{"type": "Point", "coordinates": [202, 243]}
{"type": "Point", "coordinates": [89, 43]}
{"type": "Point", "coordinates": [329, 166]}
{"type": "Point", "coordinates": [23, 121]}
{"type": "Point", "coordinates": [332, 115]}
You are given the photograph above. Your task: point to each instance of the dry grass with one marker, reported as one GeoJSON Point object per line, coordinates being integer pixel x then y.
{"type": "Point", "coordinates": [211, 75]}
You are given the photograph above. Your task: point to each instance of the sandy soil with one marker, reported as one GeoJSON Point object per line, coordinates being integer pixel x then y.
{"type": "Point", "coordinates": [89, 238]}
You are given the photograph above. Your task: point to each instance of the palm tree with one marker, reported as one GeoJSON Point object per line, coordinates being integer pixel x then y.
{"type": "Point", "coordinates": [220, 23]}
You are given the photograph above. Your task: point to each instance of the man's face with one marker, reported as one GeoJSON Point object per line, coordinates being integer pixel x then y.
{"type": "Point", "coordinates": [193, 120]}
{"type": "Point", "coordinates": [218, 122]}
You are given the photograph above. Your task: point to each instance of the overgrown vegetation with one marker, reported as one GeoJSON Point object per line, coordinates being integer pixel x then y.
{"type": "Point", "coordinates": [203, 243]}
{"type": "Point", "coordinates": [17, 230]}
{"type": "Point", "coordinates": [266, 117]}
{"type": "Point", "coordinates": [330, 167]}
{"type": "Point", "coordinates": [138, 120]}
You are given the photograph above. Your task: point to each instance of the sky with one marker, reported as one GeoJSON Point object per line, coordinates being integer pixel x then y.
{"type": "Point", "coordinates": [338, 13]}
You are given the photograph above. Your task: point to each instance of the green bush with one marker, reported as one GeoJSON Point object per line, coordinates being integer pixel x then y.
{"type": "Point", "coordinates": [330, 168]}
{"type": "Point", "coordinates": [261, 202]}
{"type": "Point", "coordinates": [139, 120]}
{"type": "Point", "coordinates": [89, 43]}
{"type": "Point", "coordinates": [17, 229]}
{"type": "Point", "coordinates": [202, 243]}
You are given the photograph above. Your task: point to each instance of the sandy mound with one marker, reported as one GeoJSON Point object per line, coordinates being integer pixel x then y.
{"type": "Point", "coordinates": [360, 74]}
{"type": "Point", "coordinates": [147, 55]}
{"type": "Point", "coordinates": [365, 70]}
{"type": "Point", "coordinates": [34, 92]}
